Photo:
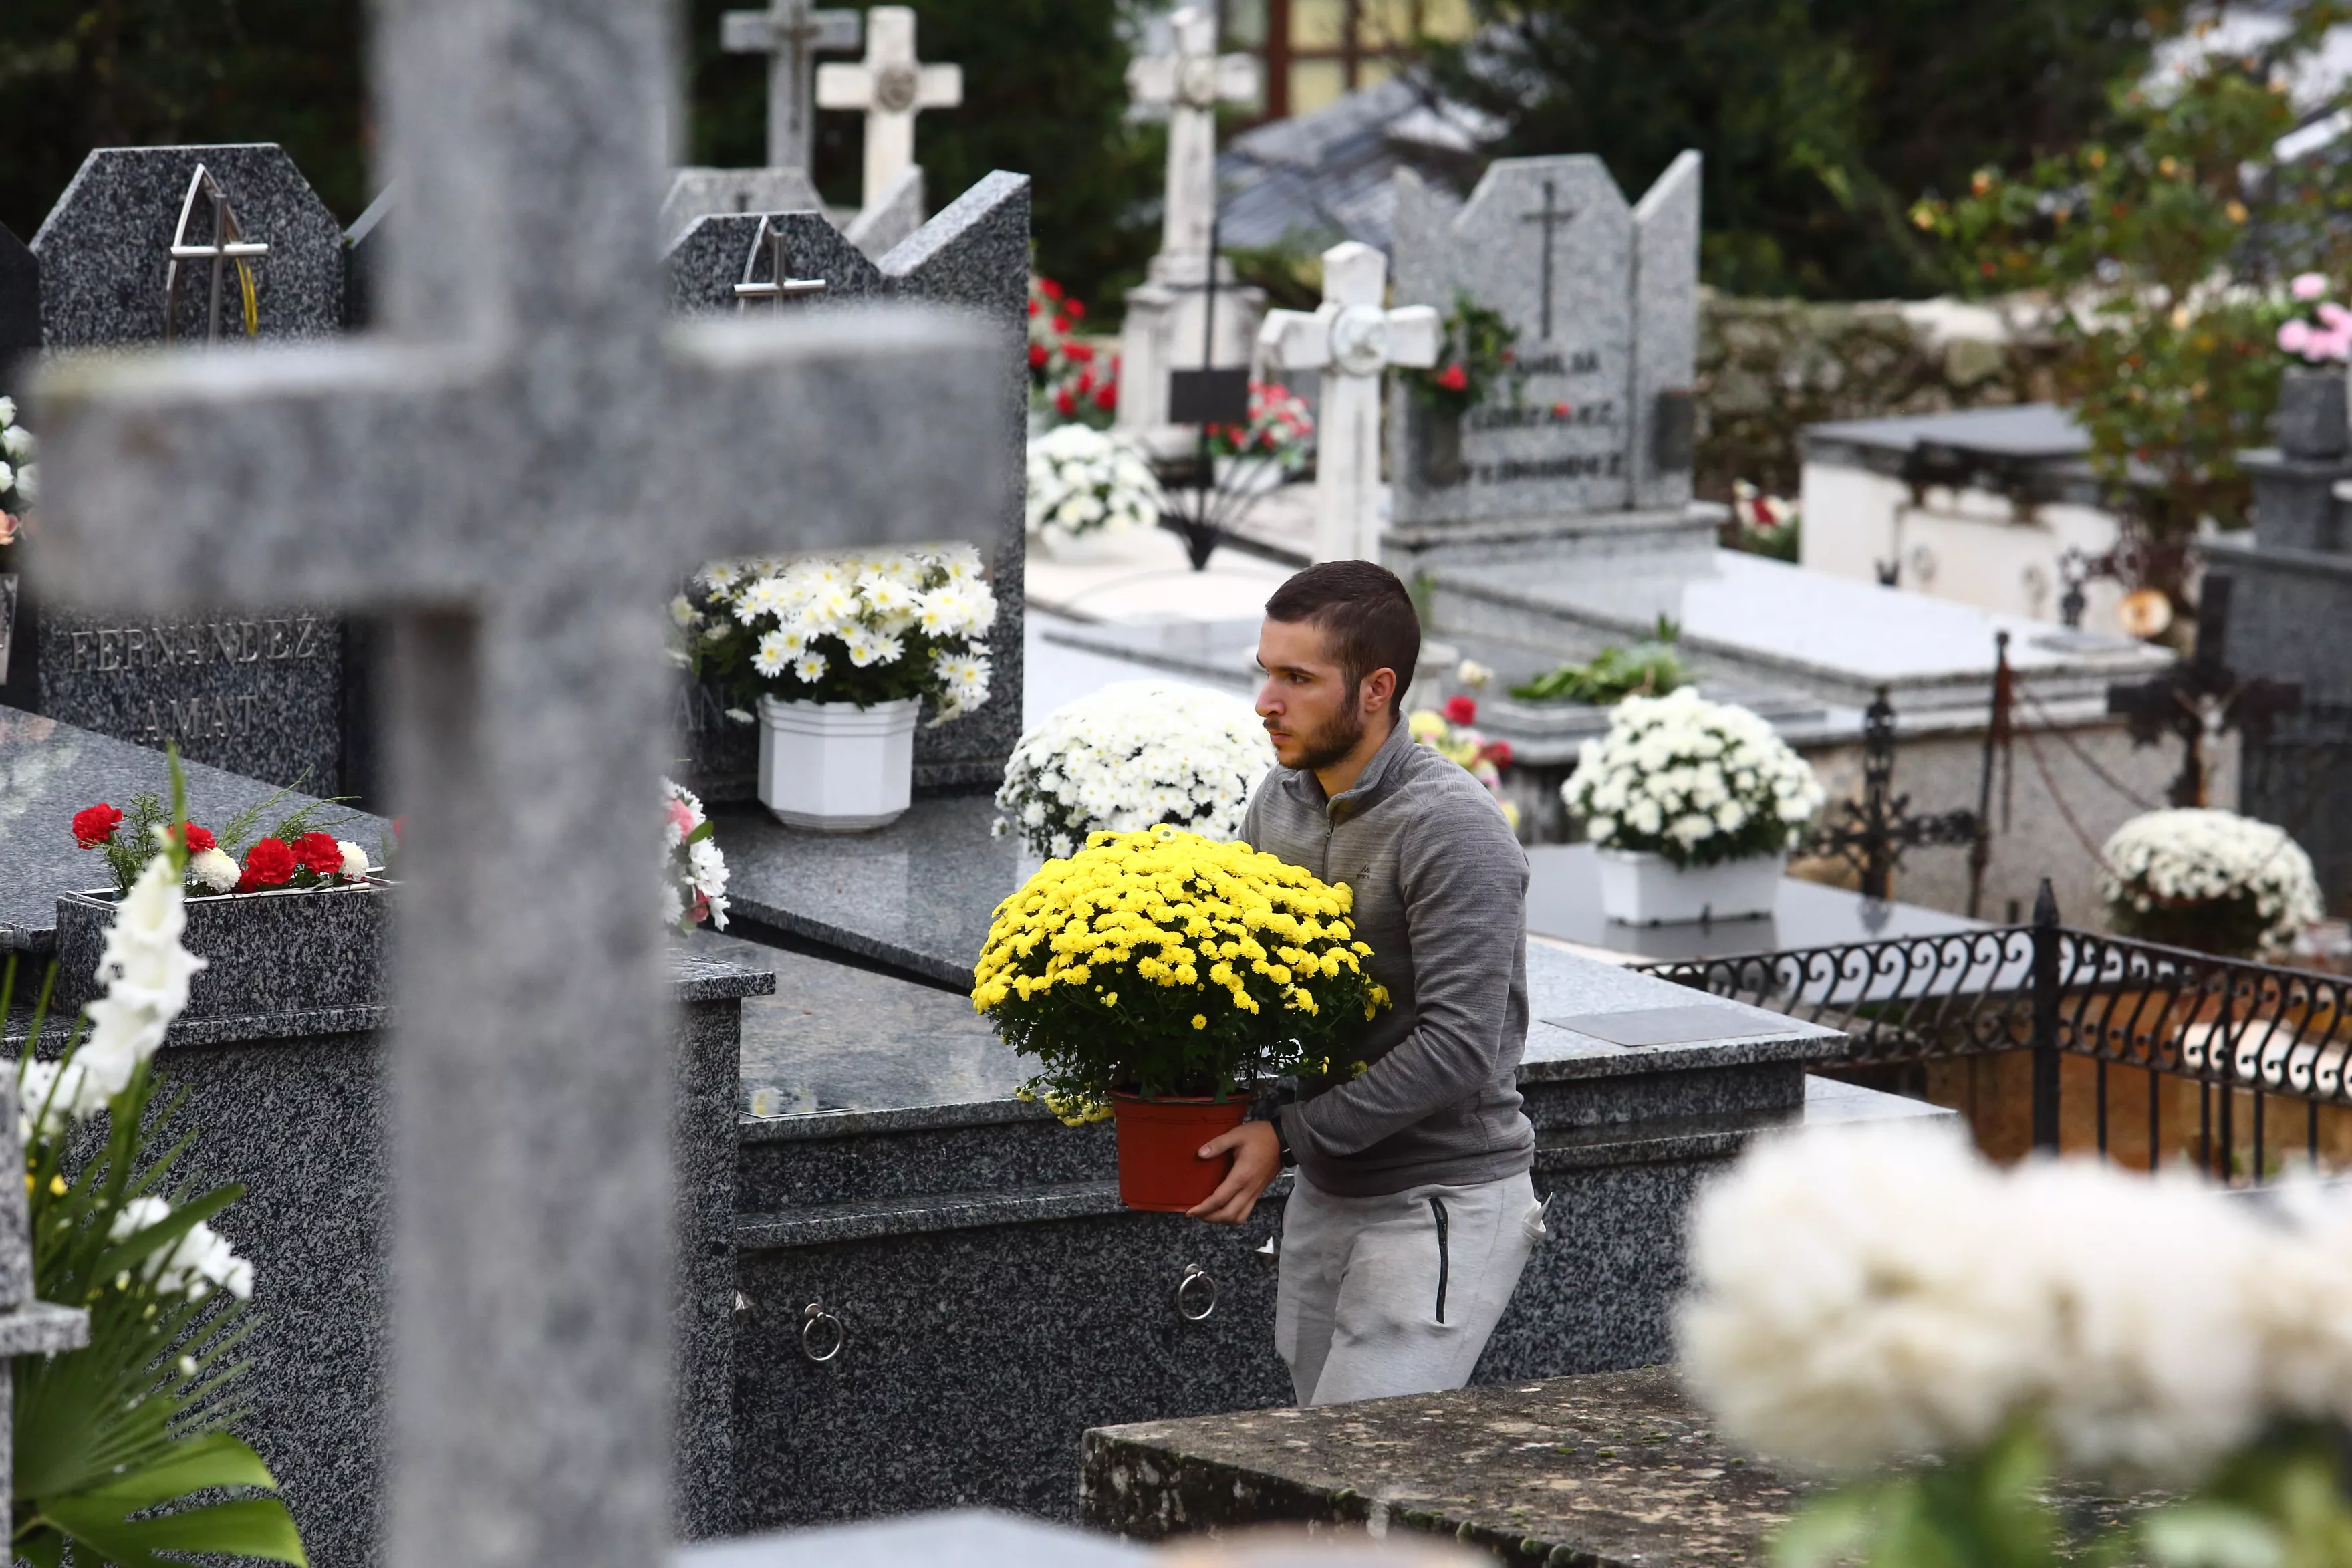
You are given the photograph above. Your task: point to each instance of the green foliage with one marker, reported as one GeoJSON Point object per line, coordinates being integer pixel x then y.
{"type": "Point", "coordinates": [1474, 357]}
{"type": "Point", "coordinates": [1045, 95]}
{"type": "Point", "coordinates": [2173, 260]}
{"type": "Point", "coordinates": [79, 74]}
{"type": "Point", "coordinates": [1648, 669]}
{"type": "Point", "coordinates": [1984, 1511]}
{"type": "Point", "coordinates": [1820, 121]}
{"type": "Point", "coordinates": [133, 844]}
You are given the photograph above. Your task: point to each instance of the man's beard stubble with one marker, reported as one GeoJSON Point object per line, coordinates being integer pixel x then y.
{"type": "Point", "coordinates": [1334, 741]}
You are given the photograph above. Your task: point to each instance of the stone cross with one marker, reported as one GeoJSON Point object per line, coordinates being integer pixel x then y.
{"type": "Point", "coordinates": [27, 1327]}
{"type": "Point", "coordinates": [1191, 80]}
{"type": "Point", "coordinates": [790, 34]}
{"type": "Point", "coordinates": [515, 474]}
{"type": "Point", "coordinates": [1551, 217]}
{"type": "Point", "coordinates": [892, 87]}
{"type": "Point", "coordinates": [1351, 339]}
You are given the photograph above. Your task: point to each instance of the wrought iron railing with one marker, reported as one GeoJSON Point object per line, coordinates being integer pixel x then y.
{"type": "Point", "coordinates": [2246, 1034]}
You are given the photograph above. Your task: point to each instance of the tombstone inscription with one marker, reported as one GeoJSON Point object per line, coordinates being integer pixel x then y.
{"type": "Point", "coordinates": [484, 472]}
{"type": "Point", "coordinates": [1592, 414]}
{"type": "Point", "coordinates": [158, 244]}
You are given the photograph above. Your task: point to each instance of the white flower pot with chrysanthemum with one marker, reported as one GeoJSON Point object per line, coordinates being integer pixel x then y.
{"type": "Point", "coordinates": [835, 767]}
{"type": "Point", "coordinates": [1086, 488]}
{"type": "Point", "coordinates": [1694, 806]}
{"type": "Point", "coordinates": [1135, 755]}
{"type": "Point", "coordinates": [2211, 880]}
{"type": "Point", "coordinates": [842, 653]}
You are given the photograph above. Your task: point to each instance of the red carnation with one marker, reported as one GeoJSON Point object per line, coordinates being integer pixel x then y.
{"type": "Point", "coordinates": [95, 826]}
{"type": "Point", "coordinates": [1497, 753]}
{"type": "Point", "coordinates": [1035, 307]}
{"type": "Point", "coordinates": [268, 864]}
{"type": "Point", "coordinates": [1065, 402]}
{"type": "Point", "coordinates": [1454, 378]}
{"type": "Point", "coordinates": [1048, 288]}
{"type": "Point", "coordinates": [319, 854]}
{"type": "Point", "coordinates": [193, 837]}
{"type": "Point", "coordinates": [1061, 326]}
{"type": "Point", "coordinates": [1086, 382]}
{"type": "Point", "coordinates": [1461, 711]}
{"type": "Point", "coordinates": [1037, 356]}
{"type": "Point", "coordinates": [1106, 396]}
{"type": "Point", "coordinates": [1082, 352]}
{"type": "Point", "coordinates": [1560, 410]}
{"type": "Point", "coordinates": [1076, 309]}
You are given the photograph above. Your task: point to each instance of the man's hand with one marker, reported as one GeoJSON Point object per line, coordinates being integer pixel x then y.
{"type": "Point", "coordinates": [1257, 1160]}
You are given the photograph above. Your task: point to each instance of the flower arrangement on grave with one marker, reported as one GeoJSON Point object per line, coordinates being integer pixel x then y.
{"type": "Point", "coordinates": [2324, 340]}
{"type": "Point", "coordinates": [1448, 733]}
{"type": "Point", "coordinates": [1694, 805]}
{"type": "Point", "coordinates": [694, 883]}
{"type": "Point", "coordinates": [1160, 976]}
{"type": "Point", "coordinates": [1280, 429]}
{"type": "Point", "coordinates": [862, 629]}
{"type": "Point", "coordinates": [19, 476]}
{"type": "Point", "coordinates": [296, 852]}
{"type": "Point", "coordinates": [2211, 880]}
{"type": "Point", "coordinates": [1946, 1339]}
{"type": "Point", "coordinates": [1134, 756]}
{"type": "Point", "coordinates": [1477, 357]}
{"type": "Point", "coordinates": [1085, 483]}
{"type": "Point", "coordinates": [1068, 376]}
{"type": "Point", "coordinates": [1651, 667]}
{"type": "Point", "coordinates": [122, 1447]}
{"type": "Point", "coordinates": [1763, 525]}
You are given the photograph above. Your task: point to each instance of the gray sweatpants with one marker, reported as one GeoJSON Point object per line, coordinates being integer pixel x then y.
{"type": "Point", "coordinates": [1397, 1294]}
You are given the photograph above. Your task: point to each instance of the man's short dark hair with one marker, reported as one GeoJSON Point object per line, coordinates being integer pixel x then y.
{"type": "Point", "coordinates": [1366, 613]}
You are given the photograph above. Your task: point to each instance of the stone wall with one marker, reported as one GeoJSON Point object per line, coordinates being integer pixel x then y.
{"type": "Point", "coordinates": [1768, 368]}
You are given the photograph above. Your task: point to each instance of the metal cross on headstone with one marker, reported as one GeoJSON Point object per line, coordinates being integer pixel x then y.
{"type": "Point", "coordinates": [1351, 339]}
{"type": "Point", "coordinates": [1551, 217]}
{"type": "Point", "coordinates": [892, 87]}
{"type": "Point", "coordinates": [2201, 699]}
{"type": "Point", "coordinates": [1191, 80]}
{"type": "Point", "coordinates": [780, 284]}
{"type": "Point", "coordinates": [1872, 834]}
{"type": "Point", "coordinates": [791, 35]}
{"type": "Point", "coordinates": [515, 476]}
{"type": "Point", "coordinates": [228, 248]}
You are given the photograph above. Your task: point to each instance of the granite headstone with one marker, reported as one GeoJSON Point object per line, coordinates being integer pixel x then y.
{"type": "Point", "coordinates": [697, 193]}
{"type": "Point", "coordinates": [260, 693]}
{"type": "Point", "coordinates": [1592, 415]}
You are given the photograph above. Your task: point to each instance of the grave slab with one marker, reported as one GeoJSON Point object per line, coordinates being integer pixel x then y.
{"type": "Point", "coordinates": [49, 770]}
{"type": "Point", "coordinates": [697, 193]}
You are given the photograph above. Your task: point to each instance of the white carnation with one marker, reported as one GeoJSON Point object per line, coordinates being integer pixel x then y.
{"type": "Point", "coordinates": [355, 859]}
{"type": "Point", "coordinates": [213, 869]}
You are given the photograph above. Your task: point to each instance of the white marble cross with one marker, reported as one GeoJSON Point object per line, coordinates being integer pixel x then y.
{"type": "Point", "coordinates": [1191, 80]}
{"type": "Point", "coordinates": [892, 87]}
{"type": "Point", "coordinates": [1351, 340]}
{"type": "Point", "coordinates": [791, 35]}
{"type": "Point", "coordinates": [514, 475]}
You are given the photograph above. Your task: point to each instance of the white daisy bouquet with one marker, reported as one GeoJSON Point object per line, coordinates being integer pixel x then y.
{"type": "Point", "coordinates": [845, 628]}
{"type": "Point", "coordinates": [18, 474]}
{"type": "Point", "coordinates": [1083, 481]}
{"type": "Point", "coordinates": [2211, 880]}
{"type": "Point", "coordinates": [694, 886]}
{"type": "Point", "coordinates": [1697, 782]}
{"type": "Point", "coordinates": [1137, 754]}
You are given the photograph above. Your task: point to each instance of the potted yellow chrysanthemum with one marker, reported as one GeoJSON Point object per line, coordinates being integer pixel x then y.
{"type": "Point", "coordinates": [1160, 977]}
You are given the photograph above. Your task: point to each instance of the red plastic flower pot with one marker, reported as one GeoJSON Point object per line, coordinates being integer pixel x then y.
{"type": "Point", "coordinates": [1160, 1164]}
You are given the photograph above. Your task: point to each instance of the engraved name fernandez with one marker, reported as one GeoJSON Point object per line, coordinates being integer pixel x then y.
{"type": "Point", "coordinates": [170, 645]}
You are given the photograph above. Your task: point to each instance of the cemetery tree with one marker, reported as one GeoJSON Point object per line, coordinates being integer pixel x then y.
{"type": "Point", "coordinates": [1820, 123]}
{"type": "Point", "coordinates": [1044, 90]}
{"type": "Point", "coordinates": [2165, 246]}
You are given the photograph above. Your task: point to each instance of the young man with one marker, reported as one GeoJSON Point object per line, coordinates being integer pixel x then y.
{"type": "Point", "coordinates": [1413, 1213]}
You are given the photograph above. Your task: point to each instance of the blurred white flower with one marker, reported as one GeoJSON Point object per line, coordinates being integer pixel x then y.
{"type": "Point", "coordinates": [146, 971]}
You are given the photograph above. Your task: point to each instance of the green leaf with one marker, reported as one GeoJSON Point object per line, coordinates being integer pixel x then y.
{"type": "Point", "coordinates": [1827, 1529]}
{"type": "Point", "coordinates": [214, 1459]}
{"type": "Point", "coordinates": [257, 1528]}
{"type": "Point", "coordinates": [2211, 1535]}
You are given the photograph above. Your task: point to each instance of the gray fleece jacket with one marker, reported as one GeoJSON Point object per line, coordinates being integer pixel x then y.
{"type": "Point", "coordinates": [1440, 890]}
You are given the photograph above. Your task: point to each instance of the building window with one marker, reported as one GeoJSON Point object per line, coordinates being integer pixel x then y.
{"type": "Point", "coordinates": [1313, 51]}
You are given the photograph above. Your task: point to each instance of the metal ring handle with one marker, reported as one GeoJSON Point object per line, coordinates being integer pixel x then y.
{"type": "Point", "coordinates": [1189, 1290]}
{"type": "Point", "coordinates": [815, 1324]}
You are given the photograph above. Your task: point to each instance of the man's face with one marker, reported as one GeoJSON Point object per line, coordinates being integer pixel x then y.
{"type": "Point", "coordinates": [1312, 713]}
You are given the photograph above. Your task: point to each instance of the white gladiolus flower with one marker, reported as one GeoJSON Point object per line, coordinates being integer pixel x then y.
{"type": "Point", "coordinates": [55, 1093]}
{"type": "Point", "coordinates": [213, 869]}
{"type": "Point", "coordinates": [146, 972]}
{"type": "Point", "coordinates": [355, 859]}
{"type": "Point", "coordinates": [195, 1265]}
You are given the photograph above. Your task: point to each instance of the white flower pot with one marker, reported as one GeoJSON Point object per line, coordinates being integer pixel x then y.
{"type": "Point", "coordinates": [835, 767]}
{"type": "Point", "coordinates": [1639, 889]}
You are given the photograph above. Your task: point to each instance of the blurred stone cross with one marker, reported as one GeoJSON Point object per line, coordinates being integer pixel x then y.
{"type": "Point", "coordinates": [790, 34]}
{"type": "Point", "coordinates": [892, 87]}
{"type": "Point", "coordinates": [1551, 217]}
{"type": "Point", "coordinates": [515, 475]}
{"type": "Point", "coordinates": [1191, 80]}
{"type": "Point", "coordinates": [1352, 339]}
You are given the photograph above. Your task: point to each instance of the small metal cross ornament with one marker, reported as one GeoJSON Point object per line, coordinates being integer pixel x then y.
{"type": "Point", "coordinates": [780, 285]}
{"type": "Point", "coordinates": [2201, 699]}
{"type": "Point", "coordinates": [228, 248]}
{"type": "Point", "coordinates": [1872, 834]}
{"type": "Point", "coordinates": [1552, 217]}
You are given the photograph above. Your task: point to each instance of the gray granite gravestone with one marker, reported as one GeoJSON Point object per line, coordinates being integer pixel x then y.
{"type": "Point", "coordinates": [258, 693]}
{"type": "Point", "coordinates": [698, 193]}
{"type": "Point", "coordinates": [974, 256]}
{"type": "Point", "coordinates": [1593, 422]}
{"type": "Point", "coordinates": [483, 471]}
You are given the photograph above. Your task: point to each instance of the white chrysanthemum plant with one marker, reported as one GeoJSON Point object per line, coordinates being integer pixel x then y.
{"type": "Point", "coordinates": [1872, 1297]}
{"type": "Point", "coordinates": [1085, 483]}
{"type": "Point", "coordinates": [18, 475]}
{"type": "Point", "coordinates": [1137, 754]}
{"type": "Point", "coordinates": [694, 883]}
{"type": "Point", "coordinates": [2211, 880]}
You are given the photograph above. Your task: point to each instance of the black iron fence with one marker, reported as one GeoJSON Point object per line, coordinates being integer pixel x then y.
{"type": "Point", "coordinates": [2231, 1064]}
